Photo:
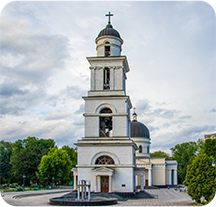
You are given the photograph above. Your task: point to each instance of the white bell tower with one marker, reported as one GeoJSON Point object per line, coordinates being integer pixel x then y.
{"type": "Point", "coordinates": [108, 87]}
{"type": "Point", "coordinates": [107, 118]}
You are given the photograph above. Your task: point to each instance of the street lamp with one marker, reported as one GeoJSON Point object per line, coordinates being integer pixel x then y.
{"type": "Point", "coordinates": [53, 180]}
{"type": "Point", "coordinates": [39, 178]}
{"type": "Point", "coordinates": [24, 180]}
{"type": "Point", "coordinates": [213, 163]}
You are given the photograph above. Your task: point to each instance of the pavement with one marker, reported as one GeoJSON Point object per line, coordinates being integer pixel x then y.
{"type": "Point", "coordinates": [165, 197]}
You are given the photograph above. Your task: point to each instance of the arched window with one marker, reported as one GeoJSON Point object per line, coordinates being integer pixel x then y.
{"type": "Point", "coordinates": [106, 84]}
{"type": "Point", "coordinates": [107, 49]}
{"type": "Point", "coordinates": [105, 123]}
{"type": "Point", "coordinates": [104, 160]}
{"type": "Point", "coordinates": [140, 149]}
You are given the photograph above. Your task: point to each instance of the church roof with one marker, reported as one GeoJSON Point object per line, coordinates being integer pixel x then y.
{"type": "Point", "coordinates": [138, 129]}
{"type": "Point", "coordinates": [109, 31]}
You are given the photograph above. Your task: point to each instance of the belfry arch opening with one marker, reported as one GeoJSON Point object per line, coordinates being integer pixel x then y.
{"type": "Point", "coordinates": [106, 122]}
{"type": "Point", "coordinates": [106, 78]}
{"type": "Point", "coordinates": [140, 149]}
{"type": "Point", "coordinates": [107, 49]}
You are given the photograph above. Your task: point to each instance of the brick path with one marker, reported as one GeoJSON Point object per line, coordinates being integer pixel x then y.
{"type": "Point", "coordinates": [165, 198]}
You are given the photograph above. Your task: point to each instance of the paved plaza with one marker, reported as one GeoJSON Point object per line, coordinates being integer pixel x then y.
{"type": "Point", "coordinates": [166, 197]}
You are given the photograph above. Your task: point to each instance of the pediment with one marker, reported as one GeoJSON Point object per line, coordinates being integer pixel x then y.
{"type": "Point", "coordinates": [103, 169]}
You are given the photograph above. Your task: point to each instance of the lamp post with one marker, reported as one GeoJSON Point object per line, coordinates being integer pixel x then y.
{"type": "Point", "coordinates": [24, 180]}
{"type": "Point", "coordinates": [53, 180]}
{"type": "Point", "coordinates": [39, 178]}
{"type": "Point", "coordinates": [213, 163]}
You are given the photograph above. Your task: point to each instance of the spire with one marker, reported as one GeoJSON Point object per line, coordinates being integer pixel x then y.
{"type": "Point", "coordinates": [134, 115]}
{"type": "Point", "coordinates": [109, 15]}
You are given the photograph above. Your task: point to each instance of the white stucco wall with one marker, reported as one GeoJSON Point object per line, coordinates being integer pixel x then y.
{"type": "Point", "coordinates": [115, 45]}
{"type": "Point", "coordinates": [158, 176]}
{"type": "Point", "coordinates": [124, 176]}
{"type": "Point", "coordinates": [122, 170]}
{"type": "Point", "coordinates": [120, 116]}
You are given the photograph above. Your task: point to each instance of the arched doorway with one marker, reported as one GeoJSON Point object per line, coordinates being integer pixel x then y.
{"type": "Point", "coordinates": [104, 174]}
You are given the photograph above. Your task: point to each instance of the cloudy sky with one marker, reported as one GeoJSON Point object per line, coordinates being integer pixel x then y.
{"type": "Point", "coordinates": [170, 47]}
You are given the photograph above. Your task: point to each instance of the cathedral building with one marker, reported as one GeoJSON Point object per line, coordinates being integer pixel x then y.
{"type": "Point", "coordinates": [114, 154]}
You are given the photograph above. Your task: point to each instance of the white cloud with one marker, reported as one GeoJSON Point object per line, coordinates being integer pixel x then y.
{"type": "Point", "coordinates": [171, 51]}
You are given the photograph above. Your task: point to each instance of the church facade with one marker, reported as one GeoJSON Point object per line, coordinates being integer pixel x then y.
{"type": "Point", "coordinates": [114, 154]}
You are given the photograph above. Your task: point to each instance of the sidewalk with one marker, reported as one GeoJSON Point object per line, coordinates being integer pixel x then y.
{"type": "Point", "coordinates": [19, 194]}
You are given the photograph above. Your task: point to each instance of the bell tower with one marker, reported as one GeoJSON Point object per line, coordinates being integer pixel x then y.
{"type": "Point", "coordinates": [107, 117]}
{"type": "Point", "coordinates": [111, 115]}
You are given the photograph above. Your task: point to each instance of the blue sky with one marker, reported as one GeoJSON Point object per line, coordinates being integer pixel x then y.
{"type": "Point", "coordinates": [170, 47]}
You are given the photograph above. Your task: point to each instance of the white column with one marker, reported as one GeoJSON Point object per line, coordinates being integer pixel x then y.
{"type": "Point", "coordinates": [141, 182]}
{"type": "Point", "coordinates": [96, 183]}
{"type": "Point", "coordinates": [92, 79]}
{"type": "Point", "coordinates": [110, 184]}
{"type": "Point", "coordinates": [136, 180]}
{"type": "Point", "coordinates": [98, 85]}
{"type": "Point", "coordinates": [175, 178]}
{"type": "Point", "coordinates": [150, 177]}
{"type": "Point", "coordinates": [143, 178]}
{"type": "Point", "coordinates": [78, 190]}
{"type": "Point", "coordinates": [75, 182]}
{"type": "Point", "coordinates": [170, 177]}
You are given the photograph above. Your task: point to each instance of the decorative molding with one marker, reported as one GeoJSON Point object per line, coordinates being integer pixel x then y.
{"type": "Point", "coordinates": [105, 105]}
{"type": "Point", "coordinates": [144, 165]}
{"type": "Point", "coordinates": [159, 165]}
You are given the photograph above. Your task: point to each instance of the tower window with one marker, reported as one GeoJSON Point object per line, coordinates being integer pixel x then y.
{"type": "Point", "coordinates": [106, 84]}
{"type": "Point", "coordinates": [105, 123]}
{"type": "Point", "coordinates": [107, 51]}
{"type": "Point", "coordinates": [140, 149]}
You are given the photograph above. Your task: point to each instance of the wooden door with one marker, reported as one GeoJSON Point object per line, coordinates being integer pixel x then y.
{"type": "Point", "coordinates": [104, 184]}
{"type": "Point", "coordinates": [146, 182]}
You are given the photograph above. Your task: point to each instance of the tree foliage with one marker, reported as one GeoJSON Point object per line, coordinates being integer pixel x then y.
{"type": "Point", "coordinates": [161, 154]}
{"type": "Point", "coordinates": [26, 156]}
{"type": "Point", "coordinates": [73, 157]}
{"type": "Point", "coordinates": [184, 154]}
{"type": "Point", "coordinates": [201, 178]}
{"type": "Point", "coordinates": [56, 164]}
{"type": "Point", "coordinates": [72, 154]}
{"type": "Point", "coordinates": [5, 153]}
{"type": "Point", "coordinates": [209, 147]}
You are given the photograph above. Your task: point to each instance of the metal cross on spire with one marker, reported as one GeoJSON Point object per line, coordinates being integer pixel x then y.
{"type": "Point", "coordinates": [109, 15]}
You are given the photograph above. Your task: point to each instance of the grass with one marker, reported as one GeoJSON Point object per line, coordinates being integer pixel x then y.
{"type": "Point", "coordinates": [15, 189]}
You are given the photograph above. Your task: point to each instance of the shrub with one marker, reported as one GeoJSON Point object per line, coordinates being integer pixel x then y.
{"type": "Point", "coordinates": [15, 184]}
{"type": "Point", "coordinates": [34, 185]}
{"type": "Point", "coordinates": [211, 203]}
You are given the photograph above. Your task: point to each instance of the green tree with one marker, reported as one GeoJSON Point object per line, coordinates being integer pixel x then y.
{"type": "Point", "coordinates": [73, 157]}
{"type": "Point", "coordinates": [161, 154]}
{"type": "Point", "coordinates": [209, 147]}
{"type": "Point", "coordinates": [58, 164]}
{"type": "Point", "coordinates": [26, 156]}
{"type": "Point", "coordinates": [184, 154]}
{"type": "Point", "coordinates": [201, 178]}
{"type": "Point", "coordinates": [5, 153]}
{"type": "Point", "coordinates": [72, 154]}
